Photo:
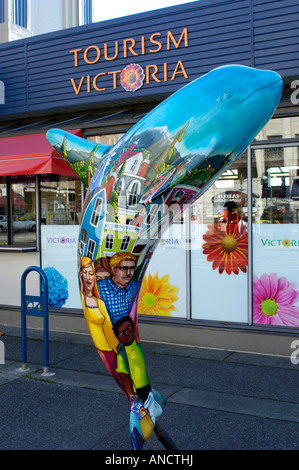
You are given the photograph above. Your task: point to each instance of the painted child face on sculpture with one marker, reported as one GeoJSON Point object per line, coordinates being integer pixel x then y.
{"type": "Point", "coordinates": [125, 333]}
{"type": "Point", "coordinates": [102, 274]}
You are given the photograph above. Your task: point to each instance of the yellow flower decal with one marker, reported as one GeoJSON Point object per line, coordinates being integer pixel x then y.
{"type": "Point", "coordinates": [157, 296]}
{"type": "Point", "coordinates": [131, 77]}
{"type": "Point", "coordinates": [286, 242]}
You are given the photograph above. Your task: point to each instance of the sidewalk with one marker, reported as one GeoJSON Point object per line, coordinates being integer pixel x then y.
{"type": "Point", "coordinates": [215, 399]}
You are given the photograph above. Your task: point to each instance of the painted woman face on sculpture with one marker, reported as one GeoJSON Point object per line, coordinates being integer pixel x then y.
{"type": "Point", "coordinates": [88, 279]}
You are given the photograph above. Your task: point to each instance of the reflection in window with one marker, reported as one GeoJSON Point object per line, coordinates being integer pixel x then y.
{"type": "Point", "coordinates": [60, 200]}
{"type": "Point", "coordinates": [23, 210]}
{"type": "Point", "coordinates": [219, 248]}
{"type": "Point", "coordinates": [108, 139]}
{"type": "Point", "coordinates": [275, 185]}
{"type": "Point", "coordinates": [230, 187]}
{"type": "Point", "coordinates": [18, 211]}
{"type": "Point", "coordinates": [3, 211]}
{"type": "Point", "coordinates": [279, 128]}
{"type": "Point", "coordinates": [275, 237]}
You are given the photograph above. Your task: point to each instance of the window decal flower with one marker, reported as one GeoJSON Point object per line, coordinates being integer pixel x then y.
{"type": "Point", "coordinates": [273, 301]}
{"type": "Point", "coordinates": [227, 249]}
{"type": "Point", "coordinates": [157, 296]}
{"type": "Point", "coordinates": [57, 286]}
{"type": "Point", "coordinates": [131, 77]}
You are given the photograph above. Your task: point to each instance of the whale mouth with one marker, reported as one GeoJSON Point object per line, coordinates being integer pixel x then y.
{"type": "Point", "coordinates": [278, 81]}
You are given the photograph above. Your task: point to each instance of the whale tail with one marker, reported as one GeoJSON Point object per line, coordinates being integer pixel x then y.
{"type": "Point", "coordinates": [84, 156]}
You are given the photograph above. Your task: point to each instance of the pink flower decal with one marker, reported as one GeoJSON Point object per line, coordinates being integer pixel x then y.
{"type": "Point", "coordinates": [131, 77]}
{"type": "Point", "coordinates": [273, 301]}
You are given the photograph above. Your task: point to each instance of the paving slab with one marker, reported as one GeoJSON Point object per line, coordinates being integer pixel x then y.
{"type": "Point", "coordinates": [238, 404]}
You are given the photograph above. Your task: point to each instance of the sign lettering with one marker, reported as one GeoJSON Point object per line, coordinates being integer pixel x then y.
{"type": "Point", "coordinates": [129, 47]}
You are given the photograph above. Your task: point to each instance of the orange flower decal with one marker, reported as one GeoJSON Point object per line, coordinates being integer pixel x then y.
{"type": "Point", "coordinates": [227, 249]}
{"type": "Point", "coordinates": [131, 77]}
{"type": "Point", "coordinates": [157, 296]}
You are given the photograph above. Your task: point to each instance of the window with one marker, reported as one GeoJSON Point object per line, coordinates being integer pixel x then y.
{"type": "Point", "coordinates": [133, 193]}
{"type": "Point", "coordinates": [60, 204]}
{"type": "Point", "coordinates": [152, 214]}
{"type": "Point", "coordinates": [109, 242]}
{"type": "Point", "coordinates": [125, 243]}
{"type": "Point", "coordinates": [133, 164]}
{"type": "Point", "coordinates": [17, 211]}
{"type": "Point", "coordinates": [83, 241]}
{"type": "Point", "coordinates": [2, 11]}
{"type": "Point", "coordinates": [20, 13]}
{"type": "Point", "coordinates": [219, 247]}
{"type": "Point", "coordinates": [3, 212]}
{"type": "Point", "coordinates": [177, 196]}
{"type": "Point", "coordinates": [60, 200]}
{"type": "Point", "coordinates": [87, 11]}
{"type": "Point", "coordinates": [90, 248]}
{"type": "Point", "coordinates": [95, 218]}
{"type": "Point", "coordinates": [275, 234]}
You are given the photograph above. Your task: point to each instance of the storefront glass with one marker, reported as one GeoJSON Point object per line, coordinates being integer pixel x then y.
{"type": "Point", "coordinates": [19, 193]}
{"type": "Point", "coordinates": [219, 248]}
{"type": "Point", "coordinates": [280, 128]}
{"type": "Point", "coordinates": [23, 210]}
{"type": "Point", "coordinates": [108, 139]}
{"type": "Point", "coordinates": [60, 219]}
{"type": "Point", "coordinates": [60, 200]}
{"type": "Point", "coordinates": [3, 211]}
{"type": "Point", "coordinates": [275, 185]}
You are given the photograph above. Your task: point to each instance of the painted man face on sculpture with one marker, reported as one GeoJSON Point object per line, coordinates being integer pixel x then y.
{"type": "Point", "coordinates": [123, 273]}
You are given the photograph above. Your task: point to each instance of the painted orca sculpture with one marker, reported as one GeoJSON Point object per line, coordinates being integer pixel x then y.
{"type": "Point", "coordinates": [136, 189]}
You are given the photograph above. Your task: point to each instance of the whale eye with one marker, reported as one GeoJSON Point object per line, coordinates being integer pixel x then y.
{"type": "Point", "coordinates": [227, 95]}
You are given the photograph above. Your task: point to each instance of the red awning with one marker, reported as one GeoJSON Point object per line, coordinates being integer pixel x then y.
{"type": "Point", "coordinates": [32, 155]}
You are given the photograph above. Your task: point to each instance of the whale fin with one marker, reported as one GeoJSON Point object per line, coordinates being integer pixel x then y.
{"type": "Point", "coordinates": [82, 155]}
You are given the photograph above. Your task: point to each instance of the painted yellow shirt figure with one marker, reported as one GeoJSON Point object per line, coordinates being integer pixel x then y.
{"type": "Point", "coordinates": [100, 326]}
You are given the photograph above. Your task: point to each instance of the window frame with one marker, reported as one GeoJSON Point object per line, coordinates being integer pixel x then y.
{"type": "Point", "coordinates": [20, 15]}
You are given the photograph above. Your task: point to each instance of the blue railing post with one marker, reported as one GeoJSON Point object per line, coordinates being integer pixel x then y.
{"type": "Point", "coordinates": [37, 306]}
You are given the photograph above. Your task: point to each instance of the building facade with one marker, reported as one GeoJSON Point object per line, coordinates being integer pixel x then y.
{"type": "Point", "coordinates": [232, 259]}
{"type": "Point", "coordinates": [24, 18]}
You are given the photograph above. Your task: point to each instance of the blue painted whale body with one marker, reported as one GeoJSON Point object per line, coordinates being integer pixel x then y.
{"type": "Point", "coordinates": [139, 186]}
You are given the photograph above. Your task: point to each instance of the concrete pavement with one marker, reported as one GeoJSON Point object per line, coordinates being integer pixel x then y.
{"type": "Point", "coordinates": [216, 399]}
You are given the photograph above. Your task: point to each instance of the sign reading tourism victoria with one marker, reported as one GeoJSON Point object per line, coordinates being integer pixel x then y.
{"type": "Point", "coordinates": [132, 76]}
{"type": "Point", "coordinates": [136, 190]}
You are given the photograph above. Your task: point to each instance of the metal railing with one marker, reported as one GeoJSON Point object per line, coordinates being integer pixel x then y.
{"type": "Point", "coordinates": [37, 306]}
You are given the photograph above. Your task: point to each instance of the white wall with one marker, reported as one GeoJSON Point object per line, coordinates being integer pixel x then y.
{"type": "Point", "coordinates": [53, 15]}
{"type": "Point", "coordinates": [12, 266]}
{"type": "Point", "coordinates": [44, 16]}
